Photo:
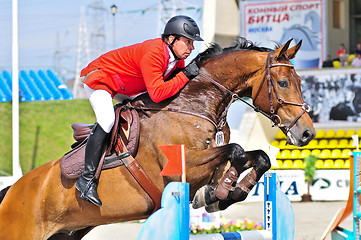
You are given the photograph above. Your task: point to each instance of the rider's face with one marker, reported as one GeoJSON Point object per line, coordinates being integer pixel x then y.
{"type": "Point", "coordinates": [182, 47]}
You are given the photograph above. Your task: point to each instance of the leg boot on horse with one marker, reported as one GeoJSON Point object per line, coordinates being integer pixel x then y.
{"type": "Point", "coordinates": [208, 194]}
{"type": "Point", "coordinates": [260, 163]}
{"type": "Point", "coordinates": [226, 185]}
{"type": "Point", "coordinates": [87, 183]}
{"type": "Point", "coordinates": [228, 191]}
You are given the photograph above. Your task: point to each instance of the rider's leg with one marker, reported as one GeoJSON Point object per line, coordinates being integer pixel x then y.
{"type": "Point", "coordinates": [86, 183]}
{"type": "Point", "coordinates": [102, 104]}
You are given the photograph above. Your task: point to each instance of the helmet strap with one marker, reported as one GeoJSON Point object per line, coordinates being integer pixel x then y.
{"type": "Point", "coordinates": [171, 49]}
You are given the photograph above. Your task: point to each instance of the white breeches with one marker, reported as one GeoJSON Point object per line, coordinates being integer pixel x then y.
{"type": "Point", "coordinates": [102, 104]}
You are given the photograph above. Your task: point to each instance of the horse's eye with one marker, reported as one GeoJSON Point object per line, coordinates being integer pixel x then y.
{"type": "Point", "coordinates": [283, 83]}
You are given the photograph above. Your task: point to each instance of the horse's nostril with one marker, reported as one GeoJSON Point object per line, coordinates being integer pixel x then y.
{"type": "Point", "coordinates": [307, 136]}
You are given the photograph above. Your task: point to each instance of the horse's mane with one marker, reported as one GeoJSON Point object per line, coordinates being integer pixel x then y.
{"type": "Point", "coordinates": [215, 49]}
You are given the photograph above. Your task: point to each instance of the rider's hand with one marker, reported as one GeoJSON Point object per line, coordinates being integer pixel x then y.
{"type": "Point", "coordinates": [191, 70]}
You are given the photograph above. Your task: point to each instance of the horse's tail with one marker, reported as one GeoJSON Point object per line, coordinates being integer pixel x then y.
{"type": "Point", "coordinates": [3, 193]}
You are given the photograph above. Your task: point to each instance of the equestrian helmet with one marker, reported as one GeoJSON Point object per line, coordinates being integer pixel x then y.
{"type": "Point", "coordinates": [183, 26]}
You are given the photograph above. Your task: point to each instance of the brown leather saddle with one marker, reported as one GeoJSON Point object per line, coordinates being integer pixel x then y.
{"type": "Point", "coordinates": [126, 127]}
{"type": "Point", "coordinates": [121, 150]}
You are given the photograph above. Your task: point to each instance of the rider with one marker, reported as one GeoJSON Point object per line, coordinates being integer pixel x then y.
{"type": "Point", "coordinates": [127, 72]}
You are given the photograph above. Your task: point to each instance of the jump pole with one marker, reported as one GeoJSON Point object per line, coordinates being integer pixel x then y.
{"type": "Point", "coordinates": [171, 222]}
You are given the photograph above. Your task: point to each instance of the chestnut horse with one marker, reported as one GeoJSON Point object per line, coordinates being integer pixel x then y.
{"type": "Point", "coordinates": [43, 204]}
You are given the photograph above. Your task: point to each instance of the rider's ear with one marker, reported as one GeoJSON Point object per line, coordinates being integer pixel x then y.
{"type": "Point", "coordinates": [279, 53]}
{"type": "Point", "coordinates": [291, 53]}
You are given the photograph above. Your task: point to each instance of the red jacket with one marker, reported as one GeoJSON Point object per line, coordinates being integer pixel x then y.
{"type": "Point", "coordinates": [135, 69]}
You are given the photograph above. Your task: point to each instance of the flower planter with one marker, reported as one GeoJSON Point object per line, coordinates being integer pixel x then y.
{"type": "Point", "coordinates": [306, 198]}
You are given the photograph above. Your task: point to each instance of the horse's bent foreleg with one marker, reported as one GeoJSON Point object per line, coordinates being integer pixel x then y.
{"type": "Point", "coordinates": [227, 192]}
{"type": "Point", "coordinates": [260, 163]}
{"type": "Point", "coordinates": [207, 195]}
{"type": "Point", "coordinates": [202, 164]}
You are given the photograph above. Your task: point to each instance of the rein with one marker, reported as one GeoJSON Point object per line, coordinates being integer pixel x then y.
{"type": "Point", "coordinates": [273, 116]}
{"type": "Point", "coordinates": [143, 109]}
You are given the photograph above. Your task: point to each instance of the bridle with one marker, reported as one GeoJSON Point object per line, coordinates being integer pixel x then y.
{"type": "Point", "coordinates": [273, 116]}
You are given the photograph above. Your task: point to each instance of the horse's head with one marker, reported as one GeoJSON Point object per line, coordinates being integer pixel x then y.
{"type": "Point", "coordinates": [277, 92]}
{"type": "Point", "coordinates": [261, 73]}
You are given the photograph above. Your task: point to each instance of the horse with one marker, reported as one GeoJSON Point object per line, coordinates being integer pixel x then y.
{"type": "Point", "coordinates": [43, 204]}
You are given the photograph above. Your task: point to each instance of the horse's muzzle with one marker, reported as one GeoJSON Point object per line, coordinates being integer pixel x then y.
{"type": "Point", "coordinates": [300, 139]}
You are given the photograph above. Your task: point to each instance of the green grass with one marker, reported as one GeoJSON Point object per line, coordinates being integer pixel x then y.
{"type": "Point", "coordinates": [45, 131]}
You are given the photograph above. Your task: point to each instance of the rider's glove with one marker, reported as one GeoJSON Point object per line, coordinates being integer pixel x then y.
{"type": "Point", "coordinates": [191, 70]}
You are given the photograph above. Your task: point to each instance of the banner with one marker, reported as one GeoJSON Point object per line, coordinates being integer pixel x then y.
{"type": "Point", "coordinates": [269, 22]}
{"type": "Point", "coordinates": [325, 184]}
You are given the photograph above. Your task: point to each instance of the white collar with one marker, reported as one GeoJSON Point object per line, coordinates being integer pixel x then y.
{"type": "Point", "coordinates": [171, 57]}
{"type": "Point", "coordinates": [172, 62]}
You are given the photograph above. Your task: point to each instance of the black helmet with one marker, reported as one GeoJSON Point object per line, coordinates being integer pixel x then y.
{"type": "Point", "coordinates": [183, 26]}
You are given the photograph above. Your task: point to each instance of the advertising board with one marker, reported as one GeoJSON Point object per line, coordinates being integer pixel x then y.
{"type": "Point", "coordinates": [270, 22]}
{"type": "Point", "coordinates": [328, 185]}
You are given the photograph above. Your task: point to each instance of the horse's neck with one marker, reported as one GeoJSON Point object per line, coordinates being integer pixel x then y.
{"type": "Point", "coordinates": [230, 73]}
{"type": "Point", "coordinates": [235, 69]}
{"type": "Point", "coordinates": [203, 97]}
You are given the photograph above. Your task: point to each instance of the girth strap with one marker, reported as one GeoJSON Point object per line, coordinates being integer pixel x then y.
{"type": "Point", "coordinates": [132, 165]}
{"type": "Point", "coordinates": [139, 175]}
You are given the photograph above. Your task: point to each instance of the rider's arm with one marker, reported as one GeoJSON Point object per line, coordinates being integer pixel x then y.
{"type": "Point", "coordinates": [152, 65]}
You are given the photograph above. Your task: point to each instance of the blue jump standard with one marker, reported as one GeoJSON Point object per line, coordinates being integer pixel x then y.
{"type": "Point", "coordinates": [171, 222]}
{"type": "Point", "coordinates": [340, 233]}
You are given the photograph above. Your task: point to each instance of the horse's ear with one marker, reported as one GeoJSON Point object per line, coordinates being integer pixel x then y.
{"type": "Point", "coordinates": [291, 53]}
{"type": "Point", "coordinates": [278, 53]}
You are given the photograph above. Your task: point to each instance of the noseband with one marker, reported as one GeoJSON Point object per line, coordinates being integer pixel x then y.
{"type": "Point", "coordinates": [273, 116]}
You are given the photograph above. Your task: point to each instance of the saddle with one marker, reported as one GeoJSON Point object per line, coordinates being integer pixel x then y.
{"type": "Point", "coordinates": [121, 150]}
{"type": "Point", "coordinates": [126, 127]}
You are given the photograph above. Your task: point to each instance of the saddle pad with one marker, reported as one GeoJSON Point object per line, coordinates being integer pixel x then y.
{"type": "Point", "coordinates": [72, 163]}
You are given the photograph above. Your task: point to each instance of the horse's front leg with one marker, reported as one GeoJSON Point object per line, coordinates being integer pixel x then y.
{"type": "Point", "coordinates": [238, 158]}
{"type": "Point", "coordinates": [227, 191]}
{"type": "Point", "coordinates": [203, 166]}
{"type": "Point", "coordinates": [259, 162]}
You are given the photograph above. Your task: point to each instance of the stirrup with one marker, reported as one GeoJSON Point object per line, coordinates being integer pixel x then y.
{"type": "Point", "coordinates": [89, 197]}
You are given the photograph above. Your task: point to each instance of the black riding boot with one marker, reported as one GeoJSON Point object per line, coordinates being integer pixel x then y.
{"type": "Point", "coordinates": [87, 184]}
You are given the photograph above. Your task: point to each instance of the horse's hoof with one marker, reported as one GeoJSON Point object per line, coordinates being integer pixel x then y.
{"type": "Point", "coordinates": [199, 199]}
{"type": "Point", "coordinates": [214, 207]}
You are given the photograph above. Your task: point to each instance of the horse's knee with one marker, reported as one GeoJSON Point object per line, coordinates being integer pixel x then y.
{"type": "Point", "coordinates": [264, 163]}
{"type": "Point", "coordinates": [237, 151]}
{"type": "Point", "coordinates": [237, 156]}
